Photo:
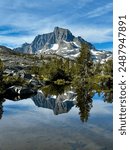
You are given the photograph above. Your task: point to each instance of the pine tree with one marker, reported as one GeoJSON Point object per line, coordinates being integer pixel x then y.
{"type": "Point", "coordinates": [108, 68]}
{"type": "Point", "coordinates": [67, 66]}
{"type": "Point", "coordinates": [84, 61]}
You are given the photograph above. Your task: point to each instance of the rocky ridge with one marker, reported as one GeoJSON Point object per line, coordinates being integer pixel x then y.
{"type": "Point", "coordinates": [63, 43]}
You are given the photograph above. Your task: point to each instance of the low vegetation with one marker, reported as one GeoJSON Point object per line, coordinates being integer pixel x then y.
{"type": "Point", "coordinates": [85, 77]}
{"type": "Point", "coordinates": [60, 71]}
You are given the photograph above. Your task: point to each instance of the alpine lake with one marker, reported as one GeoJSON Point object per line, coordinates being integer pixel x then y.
{"type": "Point", "coordinates": [58, 117]}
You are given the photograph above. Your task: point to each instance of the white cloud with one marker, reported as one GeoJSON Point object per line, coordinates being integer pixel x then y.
{"type": "Point", "coordinates": [100, 11]}
{"type": "Point", "coordinates": [93, 34]}
{"type": "Point", "coordinates": [81, 3]}
{"type": "Point", "coordinates": [15, 41]}
{"type": "Point", "coordinates": [21, 17]}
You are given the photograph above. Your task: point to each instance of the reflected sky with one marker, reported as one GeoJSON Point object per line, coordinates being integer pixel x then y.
{"type": "Point", "coordinates": [26, 126]}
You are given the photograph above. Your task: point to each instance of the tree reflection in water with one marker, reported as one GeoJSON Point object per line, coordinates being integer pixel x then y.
{"type": "Point", "coordinates": [108, 96]}
{"type": "Point", "coordinates": [81, 96]}
{"type": "Point", "coordinates": [84, 102]}
{"type": "Point", "coordinates": [1, 106]}
{"type": "Point", "coordinates": [85, 92]}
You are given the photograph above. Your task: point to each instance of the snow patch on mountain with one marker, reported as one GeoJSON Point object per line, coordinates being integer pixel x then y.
{"type": "Point", "coordinates": [55, 46]}
{"type": "Point", "coordinates": [63, 43]}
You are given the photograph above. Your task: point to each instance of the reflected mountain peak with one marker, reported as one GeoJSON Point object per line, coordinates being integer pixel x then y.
{"type": "Point", "coordinates": [59, 104]}
{"type": "Point", "coordinates": [59, 99]}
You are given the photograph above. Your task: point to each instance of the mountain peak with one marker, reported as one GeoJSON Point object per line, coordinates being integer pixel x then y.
{"type": "Point", "coordinates": [61, 42]}
{"type": "Point", "coordinates": [63, 34]}
{"type": "Point", "coordinates": [59, 29]}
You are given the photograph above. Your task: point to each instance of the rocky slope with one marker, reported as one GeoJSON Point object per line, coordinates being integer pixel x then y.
{"type": "Point", "coordinates": [5, 50]}
{"type": "Point", "coordinates": [12, 59]}
{"type": "Point", "coordinates": [61, 42]}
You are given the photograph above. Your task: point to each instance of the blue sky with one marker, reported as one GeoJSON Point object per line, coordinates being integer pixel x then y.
{"type": "Point", "coordinates": [22, 20]}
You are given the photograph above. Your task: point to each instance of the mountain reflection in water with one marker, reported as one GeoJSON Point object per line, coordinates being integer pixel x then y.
{"type": "Point", "coordinates": [59, 104]}
{"type": "Point", "coordinates": [61, 99]}
{"type": "Point", "coordinates": [30, 123]}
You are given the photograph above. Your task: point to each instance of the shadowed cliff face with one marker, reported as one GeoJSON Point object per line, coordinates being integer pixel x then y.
{"type": "Point", "coordinates": [63, 34]}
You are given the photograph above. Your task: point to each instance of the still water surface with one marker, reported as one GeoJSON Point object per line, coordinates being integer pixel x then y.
{"type": "Point", "coordinates": [53, 123]}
